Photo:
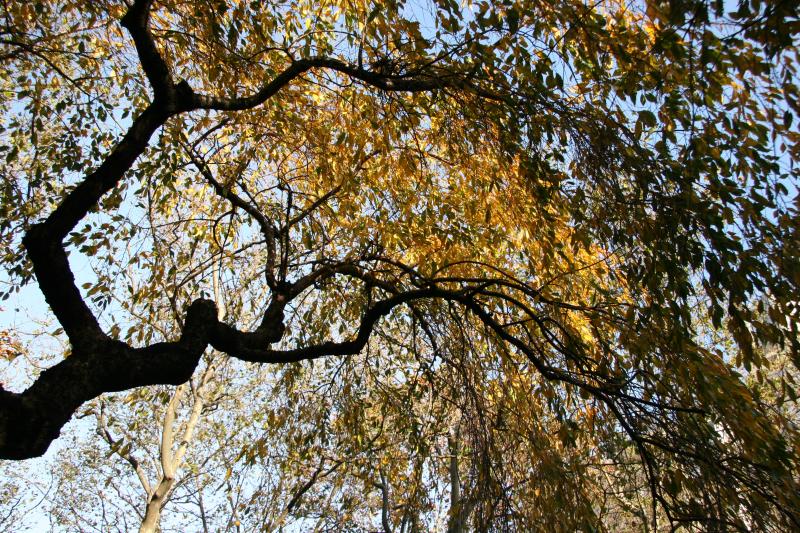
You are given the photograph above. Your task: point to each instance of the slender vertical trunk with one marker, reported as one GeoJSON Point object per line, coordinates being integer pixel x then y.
{"type": "Point", "coordinates": [171, 460]}
{"type": "Point", "coordinates": [455, 524]}
{"type": "Point", "coordinates": [460, 507]}
{"type": "Point", "coordinates": [385, 511]}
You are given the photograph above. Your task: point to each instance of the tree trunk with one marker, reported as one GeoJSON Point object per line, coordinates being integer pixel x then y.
{"type": "Point", "coordinates": [152, 515]}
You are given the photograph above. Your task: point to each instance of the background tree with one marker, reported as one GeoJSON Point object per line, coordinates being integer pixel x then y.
{"type": "Point", "coordinates": [499, 225]}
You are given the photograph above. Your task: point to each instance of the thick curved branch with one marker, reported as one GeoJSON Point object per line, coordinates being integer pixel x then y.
{"type": "Point", "coordinates": [31, 420]}
{"type": "Point", "coordinates": [43, 241]}
{"type": "Point", "coordinates": [384, 82]}
{"type": "Point", "coordinates": [201, 101]}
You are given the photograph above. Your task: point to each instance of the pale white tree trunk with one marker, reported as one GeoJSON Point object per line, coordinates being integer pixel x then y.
{"type": "Point", "coordinates": [171, 457]}
{"type": "Point", "coordinates": [171, 461]}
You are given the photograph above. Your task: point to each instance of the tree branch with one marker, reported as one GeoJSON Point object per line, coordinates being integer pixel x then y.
{"type": "Point", "coordinates": [136, 21]}
{"type": "Point", "coordinates": [384, 82]}
{"type": "Point", "coordinates": [31, 420]}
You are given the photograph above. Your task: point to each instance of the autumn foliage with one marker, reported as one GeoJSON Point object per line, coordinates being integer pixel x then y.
{"type": "Point", "coordinates": [558, 240]}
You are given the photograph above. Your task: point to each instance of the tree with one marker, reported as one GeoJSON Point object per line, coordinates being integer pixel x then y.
{"type": "Point", "coordinates": [516, 215]}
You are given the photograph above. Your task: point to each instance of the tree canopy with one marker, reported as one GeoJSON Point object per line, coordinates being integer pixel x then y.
{"type": "Point", "coordinates": [562, 236]}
